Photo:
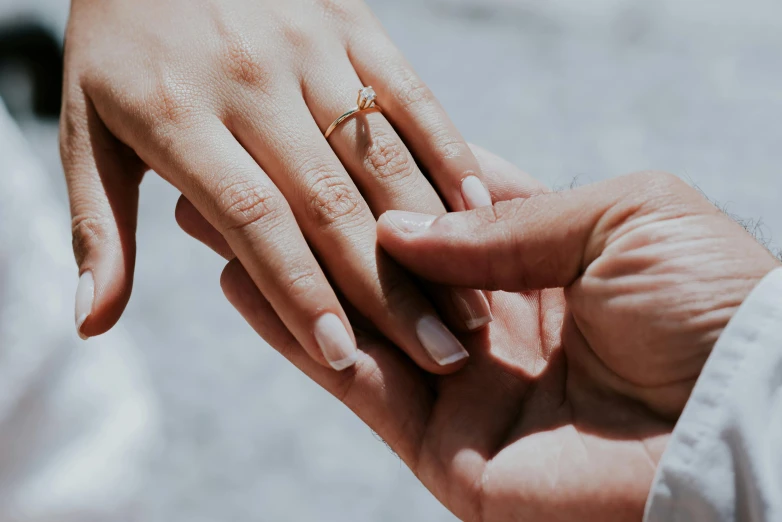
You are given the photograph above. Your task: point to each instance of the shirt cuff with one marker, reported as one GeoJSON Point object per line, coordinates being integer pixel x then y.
{"type": "Point", "coordinates": [721, 451]}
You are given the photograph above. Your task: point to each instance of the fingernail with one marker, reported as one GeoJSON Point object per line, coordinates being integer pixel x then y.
{"type": "Point", "coordinates": [85, 295]}
{"type": "Point", "coordinates": [409, 222]}
{"type": "Point", "coordinates": [473, 307]}
{"type": "Point", "coordinates": [441, 344]}
{"type": "Point", "coordinates": [475, 193]}
{"type": "Point", "coordinates": [335, 342]}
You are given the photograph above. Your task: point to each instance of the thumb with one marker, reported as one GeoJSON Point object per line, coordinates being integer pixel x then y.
{"type": "Point", "coordinates": [543, 241]}
{"type": "Point", "coordinates": [103, 185]}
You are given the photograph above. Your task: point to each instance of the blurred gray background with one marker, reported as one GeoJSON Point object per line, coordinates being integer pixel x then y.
{"type": "Point", "coordinates": [588, 90]}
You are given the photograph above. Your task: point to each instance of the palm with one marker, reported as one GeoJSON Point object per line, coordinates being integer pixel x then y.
{"type": "Point", "coordinates": [522, 434]}
{"type": "Point", "coordinates": [566, 407]}
{"type": "Point", "coordinates": [519, 433]}
{"type": "Point", "coordinates": [552, 422]}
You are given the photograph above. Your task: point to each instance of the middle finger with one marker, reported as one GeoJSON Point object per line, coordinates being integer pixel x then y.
{"type": "Point", "coordinates": [341, 229]}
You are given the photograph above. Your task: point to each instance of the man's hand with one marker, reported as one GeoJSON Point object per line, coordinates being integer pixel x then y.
{"type": "Point", "coordinates": [652, 273]}
{"type": "Point", "coordinates": [544, 423]}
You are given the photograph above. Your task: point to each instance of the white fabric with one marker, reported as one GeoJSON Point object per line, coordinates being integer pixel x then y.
{"type": "Point", "coordinates": [724, 460]}
{"type": "Point", "coordinates": [77, 421]}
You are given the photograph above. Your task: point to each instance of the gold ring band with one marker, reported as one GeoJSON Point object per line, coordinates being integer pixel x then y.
{"type": "Point", "coordinates": [365, 102]}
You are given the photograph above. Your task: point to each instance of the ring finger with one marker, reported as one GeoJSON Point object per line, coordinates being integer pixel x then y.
{"type": "Point", "coordinates": [419, 118]}
{"type": "Point", "coordinates": [341, 229]}
{"type": "Point", "coordinates": [380, 164]}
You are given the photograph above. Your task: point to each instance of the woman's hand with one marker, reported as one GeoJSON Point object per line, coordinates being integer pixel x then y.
{"type": "Point", "coordinates": [569, 398]}
{"type": "Point", "coordinates": [228, 101]}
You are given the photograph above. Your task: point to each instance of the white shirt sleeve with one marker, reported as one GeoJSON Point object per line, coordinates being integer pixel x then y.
{"type": "Point", "coordinates": [724, 459]}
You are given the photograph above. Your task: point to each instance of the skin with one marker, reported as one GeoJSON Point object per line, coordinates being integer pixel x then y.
{"type": "Point", "coordinates": [612, 297]}
{"type": "Point", "coordinates": [230, 108]}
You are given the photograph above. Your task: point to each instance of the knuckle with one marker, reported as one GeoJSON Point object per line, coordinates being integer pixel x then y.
{"type": "Point", "coordinates": [171, 101]}
{"type": "Point", "coordinates": [299, 36]}
{"type": "Point", "coordinates": [330, 199]}
{"type": "Point", "coordinates": [387, 158]}
{"type": "Point", "coordinates": [413, 92]}
{"type": "Point", "coordinates": [87, 231]}
{"type": "Point", "coordinates": [343, 11]}
{"type": "Point", "coordinates": [243, 65]}
{"type": "Point", "coordinates": [450, 147]}
{"type": "Point", "coordinates": [670, 181]}
{"type": "Point", "coordinates": [653, 178]}
{"type": "Point", "coordinates": [244, 203]}
{"type": "Point", "coordinates": [301, 283]}
{"type": "Point", "coordinates": [650, 191]}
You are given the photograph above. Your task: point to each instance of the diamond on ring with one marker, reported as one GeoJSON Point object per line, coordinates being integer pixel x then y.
{"type": "Point", "coordinates": [366, 97]}
{"type": "Point", "coordinates": [366, 101]}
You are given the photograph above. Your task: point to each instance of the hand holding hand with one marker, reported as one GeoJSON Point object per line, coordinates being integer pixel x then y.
{"type": "Point", "coordinates": [652, 273]}
{"type": "Point", "coordinates": [569, 397]}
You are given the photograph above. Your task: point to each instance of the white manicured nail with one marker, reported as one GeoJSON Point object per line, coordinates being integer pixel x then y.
{"type": "Point", "coordinates": [473, 307]}
{"type": "Point", "coordinates": [441, 344]}
{"type": "Point", "coordinates": [335, 342]}
{"type": "Point", "coordinates": [85, 295]}
{"type": "Point", "coordinates": [474, 193]}
{"type": "Point", "coordinates": [409, 222]}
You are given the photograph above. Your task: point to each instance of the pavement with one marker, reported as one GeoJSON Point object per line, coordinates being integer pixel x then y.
{"type": "Point", "coordinates": [565, 90]}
